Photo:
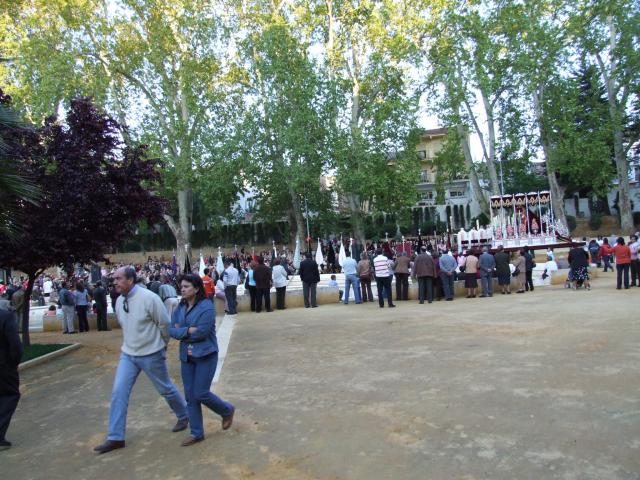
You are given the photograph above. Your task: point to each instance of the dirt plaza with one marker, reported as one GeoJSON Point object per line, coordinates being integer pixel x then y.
{"type": "Point", "coordinates": [544, 385]}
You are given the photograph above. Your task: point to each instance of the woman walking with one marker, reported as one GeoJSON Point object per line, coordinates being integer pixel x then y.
{"type": "Point", "coordinates": [194, 324]}
{"type": "Point", "coordinates": [605, 254]}
{"type": "Point", "coordinates": [82, 304]}
{"type": "Point", "coordinates": [623, 262]}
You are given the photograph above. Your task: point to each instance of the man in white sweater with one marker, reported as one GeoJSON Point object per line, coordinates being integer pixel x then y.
{"type": "Point", "coordinates": [144, 322]}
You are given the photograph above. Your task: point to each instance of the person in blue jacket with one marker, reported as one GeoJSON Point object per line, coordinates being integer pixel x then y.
{"type": "Point", "coordinates": [194, 324]}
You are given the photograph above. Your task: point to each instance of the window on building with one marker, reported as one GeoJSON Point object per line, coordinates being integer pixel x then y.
{"type": "Point", "coordinates": [424, 176]}
{"type": "Point", "coordinates": [427, 195]}
{"type": "Point", "coordinates": [422, 154]}
{"type": "Point", "coordinates": [456, 194]}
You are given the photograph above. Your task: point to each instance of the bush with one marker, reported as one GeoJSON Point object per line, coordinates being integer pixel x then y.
{"type": "Point", "coordinates": [571, 222]}
{"type": "Point", "coordinates": [595, 222]}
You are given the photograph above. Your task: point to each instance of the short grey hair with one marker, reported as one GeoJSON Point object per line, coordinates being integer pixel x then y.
{"type": "Point", "coordinates": [130, 273]}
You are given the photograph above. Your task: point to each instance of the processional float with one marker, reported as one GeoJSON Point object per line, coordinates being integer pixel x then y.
{"type": "Point", "coordinates": [517, 220]}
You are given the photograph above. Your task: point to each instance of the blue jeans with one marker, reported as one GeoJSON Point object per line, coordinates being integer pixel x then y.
{"type": "Point", "coordinates": [197, 375]}
{"type": "Point", "coordinates": [447, 285]}
{"type": "Point", "coordinates": [349, 280]}
{"type": "Point", "coordinates": [155, 366]}
{"type": "Point", "coordinates": [607, 262]}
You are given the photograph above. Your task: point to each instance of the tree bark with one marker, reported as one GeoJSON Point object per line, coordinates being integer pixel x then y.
{"type": "Point", "coordinates": [298, 219]}
{"type": "Point", "coordinates": [26, 305]}
{"type": "Point", "coordinates": [182, 228]}
{"type": "Point", "coordinates": [491, 158]}
{"type": "Point", "coordinates": [556, 190]}
{"type": "Point", "coordinates": [473, 175]}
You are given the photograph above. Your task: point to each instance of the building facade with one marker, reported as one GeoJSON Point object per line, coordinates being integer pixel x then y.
{"type": "Point", "coordinates": [456, 205]}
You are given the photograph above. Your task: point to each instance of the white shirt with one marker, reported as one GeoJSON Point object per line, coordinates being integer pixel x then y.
{"type": "Point", "coordinates": [551, 266]}
{"type": "Point", "coordinates": [47, 286]}
{"type": "Point", "coordinates": [381, 265]}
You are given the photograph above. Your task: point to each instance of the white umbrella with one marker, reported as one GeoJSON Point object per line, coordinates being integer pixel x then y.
{"type": "Point", "coordinates": [319, 257]}
{"type": "Point", "coordinates": [342, 256]}
{"type": "Point", "coordinates": [296, 255]}
{"type": "Point", "coordinates": [202, 266]}
{"type": "Point", "coordinates": [219, 263]}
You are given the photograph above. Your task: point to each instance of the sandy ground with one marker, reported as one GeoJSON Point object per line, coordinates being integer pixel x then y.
{"type": "Point", "coordinates": [544, 385]}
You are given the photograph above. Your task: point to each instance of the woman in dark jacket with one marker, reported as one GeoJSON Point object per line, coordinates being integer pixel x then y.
{"type": "Point", "coordinates": [194, 324]}
{"type": "Point", "coordinates": [579, 261]}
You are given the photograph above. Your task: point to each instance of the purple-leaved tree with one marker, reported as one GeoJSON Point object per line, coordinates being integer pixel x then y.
{"type": "Point", "coordinates": [94, 192]}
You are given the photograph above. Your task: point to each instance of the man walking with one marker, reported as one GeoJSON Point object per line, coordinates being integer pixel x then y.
{"type": "Point", "coordinates": [10, 355]}
{"type": "Point", "coordinates": [310, 276]}
{"type": "Point", "coordinates": [424, 269]}
{"type": "Point", "coordinates": [448, 267]}
{"type": "Point", "coordinates": [144, 323]}
{"type": "Point", "coordinates": [350, 270]}
{"type": "Point", "coordinates": [100, 297]}
{"type": "Point", "coordinates": [231, 279]}
{"type": "Point", "coordinates": [402, 276]}
{"type": "Point", "coordinates": [383, 278]}
{"type": "Point", "coordinates": [487, 265]}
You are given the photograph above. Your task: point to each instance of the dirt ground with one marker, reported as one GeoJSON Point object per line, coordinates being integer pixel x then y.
{"type": "Point", "coordinates": [544, 385]}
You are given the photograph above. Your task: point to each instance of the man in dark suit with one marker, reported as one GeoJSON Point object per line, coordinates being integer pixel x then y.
{"type": "Point", "coordinates": [262, 277]}
{"type": "Point", "coordinates": [310, 276]}
{"type": "Point", "coordinates": [100, 297]}
{"type": "Point", "coordinates": [10, 355]}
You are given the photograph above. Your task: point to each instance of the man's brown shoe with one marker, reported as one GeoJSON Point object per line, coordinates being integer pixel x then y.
{"type": "Point", "coordinates": [109, 445]}
{"type": "Point", "coordinates": [227, 421]}
{"type": "Point", "coordinates": [190, 440]}
{"type": "Point", "coordinates": [180, 425]}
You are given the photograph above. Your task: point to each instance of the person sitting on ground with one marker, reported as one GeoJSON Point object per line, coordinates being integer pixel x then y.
{"type": "Point", "coordinates": [549, 267]}
{"type": "Point", "coordinates": [333, 283]}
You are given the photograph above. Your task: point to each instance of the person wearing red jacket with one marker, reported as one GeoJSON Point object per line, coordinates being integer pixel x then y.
{"type": "Point", "coordinates": [623, 262]}
{"type": "Point", "coordinates": [605, 254]}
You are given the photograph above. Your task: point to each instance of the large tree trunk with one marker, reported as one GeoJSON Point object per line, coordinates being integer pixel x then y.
{"type": "Point", "coordinates": [182, 229]}
{"type": "Point", "coordinates": [298, 219]}
{"type": "Point", "coordinates": [491, 158]}
{"type": "Point", "coordinates": [26, 305]}
{"type": "Point", "coordinates": [357, 222]}
{"type": "Point", "coordinates": [557, 191]}
{"type": "Point", "coordinates": [622, 170]}
{"type": "Point", "coordinates": [473, 175]}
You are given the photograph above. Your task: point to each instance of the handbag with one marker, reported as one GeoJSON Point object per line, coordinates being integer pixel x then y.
{"type": "Point", "coordinates": [516, 272]}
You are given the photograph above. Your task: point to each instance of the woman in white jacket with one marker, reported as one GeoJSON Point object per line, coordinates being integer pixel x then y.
{"type": "Point", "coordinates": [280, 279]}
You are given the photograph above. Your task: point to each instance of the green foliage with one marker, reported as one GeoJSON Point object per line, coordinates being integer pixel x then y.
{"type": "Point", "coordinates": [482, 219]}
{"type": "Point", "coordinates": [571, 222]}
{"type": "Point", "coordinates": [595, 222]}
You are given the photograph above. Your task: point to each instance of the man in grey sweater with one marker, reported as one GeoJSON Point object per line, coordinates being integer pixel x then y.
{"type": "Point", "coordinates": [144, 323]}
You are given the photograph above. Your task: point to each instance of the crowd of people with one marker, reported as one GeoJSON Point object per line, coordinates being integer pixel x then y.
{"type": "Point", "coordinates": [147, 306]}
